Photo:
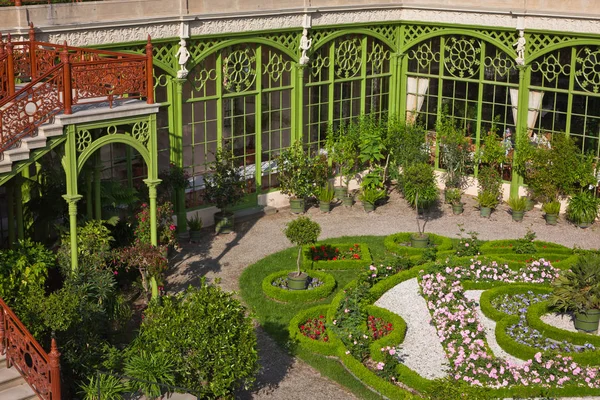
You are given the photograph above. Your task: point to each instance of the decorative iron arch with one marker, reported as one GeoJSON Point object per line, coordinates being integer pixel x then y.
{"type": "Point", "coordinates": [562, 45]}
{"type": "Point", "coordinates": [109, 139]}
{"type": "Point", "coordinates": [364, 31]}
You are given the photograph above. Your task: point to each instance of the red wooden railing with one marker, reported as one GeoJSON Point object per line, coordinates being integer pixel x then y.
{"type": "Point", "coordinates": [19, 3]}
{"type": "Point", "coordinates": [59, 76]}
{"type": "Point", "coordinates": [40, 369]}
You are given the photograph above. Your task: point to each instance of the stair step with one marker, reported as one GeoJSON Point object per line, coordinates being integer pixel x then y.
{"type": "Point", "coordinates": [20, 392]}
{"type": "Point", "coordinates": [9, 377]}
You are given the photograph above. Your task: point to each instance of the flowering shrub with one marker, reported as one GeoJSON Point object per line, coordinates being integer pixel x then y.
{"type": "Point", "coordinates": [315, 329]}
{"type": "Point", "coordinates": [164, 225]}
{"type": "Point", "coordinates": [539, 271]}
{"type": "Point", "coordinates": [327, 252]}
{"type": "Point", "coordinates": [467, 246]}
{"type": "Point", "coordinates": [375, 274]}
{"type": "Point", "coordinates": [463, 337]}
{"type": "Point", "coordinates": [378, 327]}
{"type": "Point", "coordinates": [386, 368]}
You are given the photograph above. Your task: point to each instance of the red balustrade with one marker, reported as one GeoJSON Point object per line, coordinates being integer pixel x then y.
{"type": "Point", "coordinates": [40, 369]}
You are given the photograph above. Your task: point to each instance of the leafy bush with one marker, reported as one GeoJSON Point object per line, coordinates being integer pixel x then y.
{"type": "Point", "coordinates": [93, 247]}
{"type": "Point", "coordinates": [225, 185]}
{"type": "Point", "coordinates": [150, 371]}
{"type": "Point", "coordinates": [164, 225]}
{"type": "Point", "coordinates": [208, 335]}
{"type": "Point", "coordinates": [110, 388]}
{"type": "Point", "coordinates": [302, 231]}
{"type": "Point", "coordinates": [420, 186]}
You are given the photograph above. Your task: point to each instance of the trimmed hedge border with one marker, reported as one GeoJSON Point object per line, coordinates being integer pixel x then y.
{"type": "Point", "coordinates": [329, 348]}
{"type": "Point", "coordinates": [534, 314]}
{"type": "Point", "coordinates": [365, 259]}
{"type": "Point", "coordinates": [394, 338]}
{"type": "Point", "coordinates": [486, 297]}
{"type": "Point", "coordinates": [391, 243]}
{"type": "Point", "coordinates": [300, 296]}
{"type": "Point", "coordinates": [501, 247]}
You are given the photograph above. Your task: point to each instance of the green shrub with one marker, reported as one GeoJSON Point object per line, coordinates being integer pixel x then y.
{"type": "Point", "coordinates": [208, 335]}
{"type": "Point", "coordinates": [149, 371]}
{"type": "Point", "coordinates": [301, 296]}
{"type": "Point", "coordinates": [110, 388]}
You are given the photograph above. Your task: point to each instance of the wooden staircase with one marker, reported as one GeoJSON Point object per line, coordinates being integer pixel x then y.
{"type": "Point", "coordinates": [12, 384]}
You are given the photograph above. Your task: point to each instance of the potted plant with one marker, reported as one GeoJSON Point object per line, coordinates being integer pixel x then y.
{"type": "Point", "coordinates": [577, 290]}
{"type": "Point", "coordinates": [369, 196]}
{"type": "Point", "coordinates": [455, 154]}
{"type": "Point", "coordinates": [518, 205]}
{"type": "Point", "coordinates": [325, 196]}
{"type": "Point", "coordinates": [552, 209]}
{"type": "Point", "coordinates": [582, 209]}
{"type": "Point", "coordinates": [224, 188]}
{"type": "Point", "coordinates": [343, 149]}
{"type": "Point", "coordinates": [420, 190]}
{"type": "Point", "coordinates": [454, 197]}
{"type": "Point", "coordinates": [195, 225]}
{"type": "Point", "coordinates": [487, 202]}
{"type": "Point", "coordinates": [299, 175]}
{"type": "Point", "coordinates": [301, 232]}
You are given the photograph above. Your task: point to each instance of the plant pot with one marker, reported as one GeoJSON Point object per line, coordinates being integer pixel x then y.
{"type": "Point", "coordinates": [485, 211]}
{"type": "Point", "coordinates": [224, 222]}
{"type": "Point", "coordinates": [297, 206]}
{"type": "Point", "coordinates": [517, 216]}
{"type": "Point", "coordinates": [195, 236]}
{"type": "Point", "coordinates": [587, 322]}
{"type": "Point", "coordinates": [584, 224]}
{"type": "Point", "coordinates": [551, 219]}
{"type": "Point", "coordinates": [340, 192]}
{"type": "Point", "coordinates": [369, 207]}
{"type": "Point", "coordinates": [419, 241]}
{"type": "Point", "coordinates": [458, 209]}
{"type": "Point", "coordinates": [297, 282]}
{"type": "Point", "coordinates": [325, 206]}
{"type": "Point", "coordinates": [348, 200]}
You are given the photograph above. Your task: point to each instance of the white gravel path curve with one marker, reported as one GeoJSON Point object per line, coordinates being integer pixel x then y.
{"type": "Point", "coordinates": [421, 350]}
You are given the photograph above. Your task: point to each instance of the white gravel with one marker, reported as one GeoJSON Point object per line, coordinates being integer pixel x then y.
{"type": "Point", "coordinates": [490, 329]}
{"type": "Point", "coordinates": [561, 321]}
{"type": "Point", "coordinates": [421, 350]}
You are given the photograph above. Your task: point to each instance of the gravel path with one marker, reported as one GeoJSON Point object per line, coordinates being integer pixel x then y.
{"type": "Point", "coordinates": [490, 329]}
{"type": "Point", "coordinates": [421, 350]}
{"type": "Point", "coordinates": [562, 321]}
{"type": "Point", "coordinates": [226, 256]}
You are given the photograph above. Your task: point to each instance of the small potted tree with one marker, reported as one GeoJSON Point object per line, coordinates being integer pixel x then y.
{"type": "Point", "coordinates": [325, 196]}
{"type": "Point", "coordinates": [577, 290]}
{"type": "Point", "coordinates": [420, 190]}
{"type": "Point", "coordinates": [224, 188]}
{"type": "Point", "coordinates": [343, 148]}
{"type": "Point", "coordinates": [300, 175]}
{"type": "Point", "coordinates": [454, 197]}
{"type": "Point", "coordinates": [301, 232]}
{"type": "Point", "coordinates": [455, 154]}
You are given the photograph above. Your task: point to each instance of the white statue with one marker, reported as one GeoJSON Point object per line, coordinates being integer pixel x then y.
{"type": "Point", "coordinates": [184, 56]}
{"type": "Point", "coordinates": [305, 44]}
{"type": "Point", "coordinates": [520, 48]}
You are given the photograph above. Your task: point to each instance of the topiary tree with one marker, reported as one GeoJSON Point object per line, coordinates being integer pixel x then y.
{"type": "Point", "coordinates": [207, 334]}
{"type": "Point", "coordinates": [302, 231]}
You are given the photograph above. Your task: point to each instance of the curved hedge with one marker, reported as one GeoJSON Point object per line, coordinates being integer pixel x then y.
{"type": "Point", "coordinates": [391, 243]}
{"type": "Point", "coordinates": [298, 295]}
{"type": "Point", "coordinates": [365, 259]}
{"type": "Point", "coordinates": [486, 297]}
{"type": "Point", "coordinates": [504, 246]}
{"type": "Point", "coordinates": [329, 348]}
{"type": "Point", "coordinates": [394, 338]}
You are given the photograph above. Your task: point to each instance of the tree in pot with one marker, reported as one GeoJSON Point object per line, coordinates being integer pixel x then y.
{"type": "Point", "coordinates": [343, 149]}
{"type": "Point", "coordinates": [325, 196]}
{"type": "Point", "coordinates": [224, 188]}
{"type": "Point", "coordinates": [577, 290]}
{"type": "Point", "coordinates": [300, 175]}
{"type": "Point", "coordinates": [301, 232]}
{"type": "Point", "coordinates": [517, 205]}
{"type": "Point", "coordinates": [455, 154]}
{"type": "Point", "coordinates": [552, 209]}
{"type": "Point", "coordinates": [582, 209]}
{"type": "Point", "coordinates": [421, 192]}
{"type": "Point", "coordinates": [487, 202]}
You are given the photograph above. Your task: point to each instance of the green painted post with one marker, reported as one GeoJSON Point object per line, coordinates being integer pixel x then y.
{"type": "Point", "coordinates": [10, 199]}
{"type": "Point", "coordinates": [401, 70]}
{"type": "Point", "coordinates": [521, 128]}
{"type": "Point", "coordinates": [258, 124]}
{"type": "Point", "coordinates": [72, 201]}
{"type": "Point", "coordinates": [97, 186]}
{"type": "Point", "coordinates": [299, 96]}
{"type": "Point", "coordinates": [363, 78]}
{"type": "Point", "coordinates": [152, 183]}
{"type": "Point", "coordinates": [89, 180]}
{"type": "Point", "coordinates": [69, 163]}
{"type": "Point", "coordinates": [176, 152]}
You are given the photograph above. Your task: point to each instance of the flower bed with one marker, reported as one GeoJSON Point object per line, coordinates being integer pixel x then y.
{"type": "Point", "coordinates": [464, 340]}
{"type": "Point", "coordinates": [314, 328]}
{"type": "Point", "coordinates": [329, 347]}
{"type": "Point", "coordinates": [336, 256]}
{"type": "Point", "coordinates": [311, 294]}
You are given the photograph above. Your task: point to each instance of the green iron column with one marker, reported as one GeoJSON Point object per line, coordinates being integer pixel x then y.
{"type": "Point", "coordinates": [176, 152]}
{"type": "Point", "coordinates": [521, 123]}
{"type": "Point", "coordinates": [89, 180]}
{"type": "Point", "coordinates": [152, 184]}
{"type": "Point", "coordinates": [298, 104]}
{"type": "Point", "coordinates": [399, 71]}
{"type": "Point", "coordinates": [72, 201]}
{"type": "Point", "coordinates": [69, 163]}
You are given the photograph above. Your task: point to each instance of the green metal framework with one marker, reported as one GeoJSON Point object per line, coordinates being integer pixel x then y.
{"type": "Point", "coordinates": [248, 91]}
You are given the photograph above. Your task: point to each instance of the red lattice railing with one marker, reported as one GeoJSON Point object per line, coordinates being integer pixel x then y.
{"type": "Point", "coordinates": [40, 369]}
{"type": "Point", "coordinates": [59, 76]}
{"type": "Point", "coordinates": [19, 3]}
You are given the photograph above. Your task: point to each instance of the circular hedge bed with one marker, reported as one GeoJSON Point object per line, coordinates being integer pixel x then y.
{"type": "Point", "coordinates": [303, 296]}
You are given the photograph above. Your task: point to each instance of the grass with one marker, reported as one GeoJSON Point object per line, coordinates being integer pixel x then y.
{"type": "Point", "coordinates": [275, 316]}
